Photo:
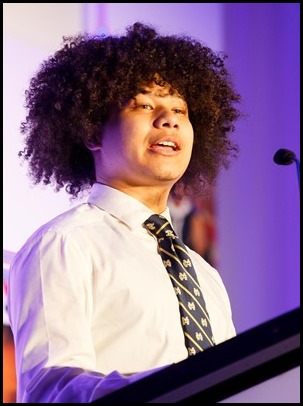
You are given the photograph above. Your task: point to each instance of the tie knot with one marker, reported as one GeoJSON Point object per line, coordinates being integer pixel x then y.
{"type": "Point", "coordinates": [159, 226]}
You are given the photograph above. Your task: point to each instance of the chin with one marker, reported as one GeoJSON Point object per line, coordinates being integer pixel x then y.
{"type": "Point", "coordinates": [168, 178]}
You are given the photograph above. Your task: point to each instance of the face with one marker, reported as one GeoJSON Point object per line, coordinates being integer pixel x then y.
{"type": "Point", "coordinates": [148, 142]}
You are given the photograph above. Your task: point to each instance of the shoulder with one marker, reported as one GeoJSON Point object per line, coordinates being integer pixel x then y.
{"type": "Point", "coordinates": [204, 269]}
{"type": "Point", "coordinates": [66, 228]}
{"type": "Point", "coordinates": [78, 217]}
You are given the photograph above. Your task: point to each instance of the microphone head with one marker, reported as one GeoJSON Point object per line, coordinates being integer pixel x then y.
{"type": "Point", "coordinates": [284, 157]}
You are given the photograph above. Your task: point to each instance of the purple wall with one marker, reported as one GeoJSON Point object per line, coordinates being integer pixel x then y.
{"type": "Point", "coordinates": [258, 201]}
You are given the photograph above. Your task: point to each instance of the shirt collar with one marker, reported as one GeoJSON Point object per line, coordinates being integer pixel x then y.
{"type": "Point", "coordinates": [121, 205]}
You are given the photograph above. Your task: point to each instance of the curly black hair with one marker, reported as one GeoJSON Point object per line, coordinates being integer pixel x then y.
{"type": "Point", "coordinates": [73, 92]}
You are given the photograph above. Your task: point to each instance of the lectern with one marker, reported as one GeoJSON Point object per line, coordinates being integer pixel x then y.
{"type": "Point", "coordinates": [260, 354]}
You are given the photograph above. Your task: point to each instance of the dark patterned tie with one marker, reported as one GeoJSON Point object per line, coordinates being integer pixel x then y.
{"type": "Point", "coordinates": [194, 317]}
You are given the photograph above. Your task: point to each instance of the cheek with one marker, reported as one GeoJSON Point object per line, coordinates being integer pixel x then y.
{"type": "Point", "coordinates": [132, 136]}
{"type": "Point", "coordinates": [190, 138]}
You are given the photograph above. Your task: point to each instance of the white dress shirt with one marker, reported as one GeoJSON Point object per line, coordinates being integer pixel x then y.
{"type": "Point", "coordinates": [92, 307]}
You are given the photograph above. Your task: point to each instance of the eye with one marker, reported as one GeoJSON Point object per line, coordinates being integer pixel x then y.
{"type": "Point", "coordinates": [179, 111]}
{"type": "Point", "coordinates": [146, 106]}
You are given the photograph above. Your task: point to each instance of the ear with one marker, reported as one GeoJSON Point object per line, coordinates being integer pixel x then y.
{"type": "Point", "coordinates": [95, 145]}
{"type": "Point", "coordinates": [92, 146]}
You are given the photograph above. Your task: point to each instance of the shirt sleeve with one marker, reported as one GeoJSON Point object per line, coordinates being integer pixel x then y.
{"type": "Point", "coordinates": [75, 385]}
{"type": "Point", "coordinates": [50, 307]}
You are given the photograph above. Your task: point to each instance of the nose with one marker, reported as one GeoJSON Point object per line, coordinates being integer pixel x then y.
{"type": "Point", "coordinates": [166, 118]}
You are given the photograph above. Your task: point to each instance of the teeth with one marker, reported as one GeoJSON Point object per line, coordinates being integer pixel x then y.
{"type": "Point", "coordinates": [168, 144]}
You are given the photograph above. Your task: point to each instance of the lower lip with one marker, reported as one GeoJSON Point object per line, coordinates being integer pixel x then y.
{"type": "Point", "coordinates": [167, 151]}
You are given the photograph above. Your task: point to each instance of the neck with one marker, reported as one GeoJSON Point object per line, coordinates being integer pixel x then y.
{"type": "Point", "coordinates": [153, 197]}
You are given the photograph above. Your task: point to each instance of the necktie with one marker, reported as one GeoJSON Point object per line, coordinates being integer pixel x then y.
{"type": "Point", "coordinates": [194, 317]}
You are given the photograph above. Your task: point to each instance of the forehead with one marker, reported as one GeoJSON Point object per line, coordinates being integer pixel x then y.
{"type": "Point", "coordinates": [155, 90]}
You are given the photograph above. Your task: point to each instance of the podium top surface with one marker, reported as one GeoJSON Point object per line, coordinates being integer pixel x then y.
{"type": "Point", "coordinates": [249, 358]}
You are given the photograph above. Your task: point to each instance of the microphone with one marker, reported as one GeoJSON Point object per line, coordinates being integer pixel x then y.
{"type": "Point", "coordinates": [286, 157]}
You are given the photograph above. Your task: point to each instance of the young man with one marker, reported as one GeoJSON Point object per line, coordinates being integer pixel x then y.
{"type": "Point", "coordinates": [91, 305]}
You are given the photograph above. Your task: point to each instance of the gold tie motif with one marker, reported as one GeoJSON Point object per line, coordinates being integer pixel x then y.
{"type": "Point", "coordinates": [194, 317]}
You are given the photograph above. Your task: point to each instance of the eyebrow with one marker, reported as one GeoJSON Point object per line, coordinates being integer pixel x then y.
{"type": "Point", "coordinates": [153, 93]}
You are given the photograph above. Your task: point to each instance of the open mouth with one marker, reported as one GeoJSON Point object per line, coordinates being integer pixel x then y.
{"type": "Point", "coordinates": [168, 144]}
